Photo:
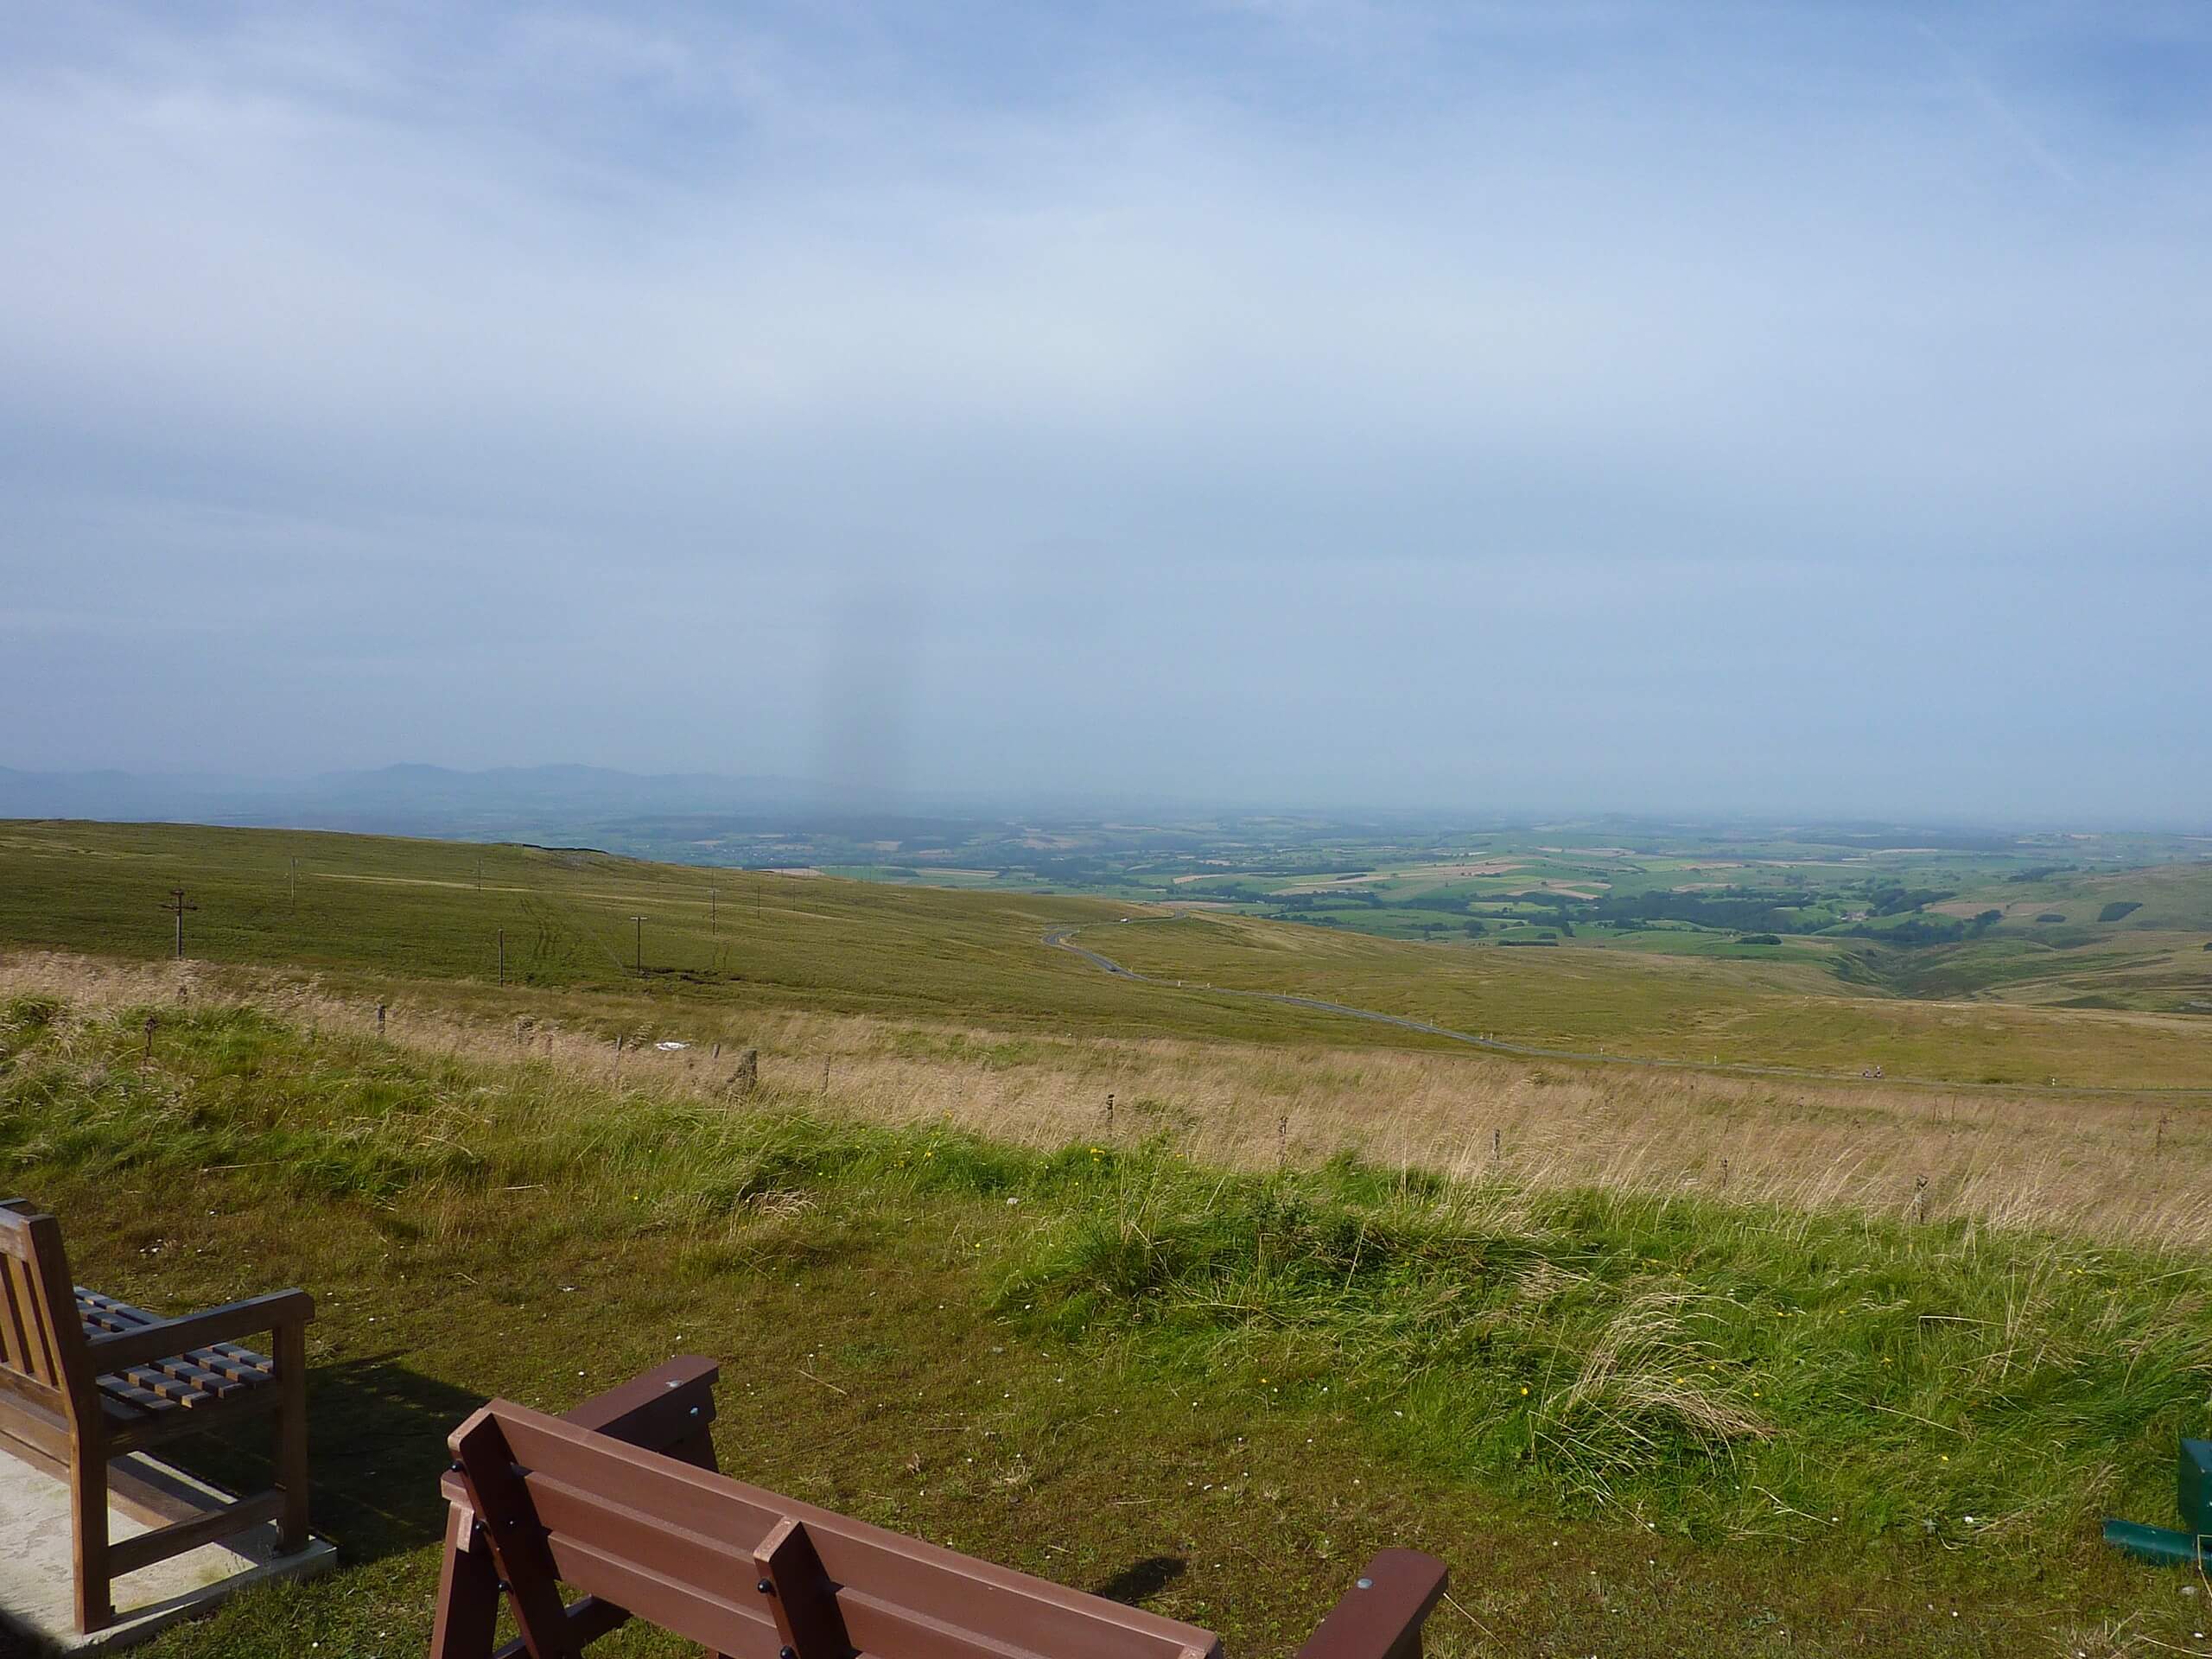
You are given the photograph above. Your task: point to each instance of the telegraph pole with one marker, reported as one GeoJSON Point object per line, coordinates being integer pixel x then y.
{"type": "Point", "coordinates": [503, 956]}
{"type": "Point", "coordinates": [177, 906]}
{"type": "Point", "coordinates": [641, 921]}
{"type": "Point", "coordinates": [713, 916]}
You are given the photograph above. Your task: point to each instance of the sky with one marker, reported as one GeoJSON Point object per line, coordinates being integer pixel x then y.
{"type": "Point", "coordinates": [1777, 408]}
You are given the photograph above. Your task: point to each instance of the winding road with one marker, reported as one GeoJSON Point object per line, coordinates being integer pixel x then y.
{"type": "Point", "coordinates": [1063, 938]}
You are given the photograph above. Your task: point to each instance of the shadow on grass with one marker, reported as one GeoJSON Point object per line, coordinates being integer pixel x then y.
{"type": "Point", "coordinates": [1139, 1581]}
{"type": "Point", "coordinates": [376, 1447]}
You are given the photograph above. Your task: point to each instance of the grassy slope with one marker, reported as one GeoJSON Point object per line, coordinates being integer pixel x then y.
{"type": "Point", "coordinates": [2153, 960]}
{"type": "Point", "coordinates": [370, 907]}
{"type": "Point", "coordinates": [1742, 1431]}
{"type": "Point", "coordinates": [2152, 957]}
{"type": "Point", "coordinates": [1737, 1012]}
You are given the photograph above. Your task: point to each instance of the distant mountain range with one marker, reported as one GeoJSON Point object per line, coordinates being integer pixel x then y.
{"type": "Point", "coordinates": [504, 803]}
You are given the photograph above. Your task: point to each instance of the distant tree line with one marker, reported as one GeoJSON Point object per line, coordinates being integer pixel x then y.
{"type": "Point", "coordinates": [1436, 898]}
{"type": "Point", "coordinates": [1928, 930]}
{"type": "Point", "coordinates": [1892, 912]}
{"type": "Point", "coordinates": [1894, 899]}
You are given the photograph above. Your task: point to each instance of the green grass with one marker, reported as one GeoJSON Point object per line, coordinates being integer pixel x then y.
{"type": "Point", "coordinates": [1748, 1006]}
{"type": "Point", "coordinates": [372, 910]}
{"type": "Point", "coordinates": [1713, 1372]}
{"type": "Point", "coordinates": [2136, 899]}
{"type": "Point", "coordinates": [368, 913]}
{"type": "Point", "coordinates": [1743, 1430]}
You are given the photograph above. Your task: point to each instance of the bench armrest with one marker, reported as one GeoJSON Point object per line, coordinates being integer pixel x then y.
{"type": "Point", "coordinates": [1382, 1617]}
{"type": "Point", "coordinates": [667, 1409]}
{"type": "Point", "coordinates": [656, 1409]}
{"type": "Point", "coordinates": [164, 1337]}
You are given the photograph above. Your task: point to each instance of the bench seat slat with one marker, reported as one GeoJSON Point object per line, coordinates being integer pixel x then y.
{"type": "Point", "coordinates": [620, 1533]}
{"type": "Point", "coordinates": [673, 1601]}
{"type": "Point", "coordinates": [124, 1398]}
{"type": "Point", "coordinates": [182, 1376]}
{"type": "Point", "coordinates": [174, 1378]}
{"type": "Point", "coordinates": [194, 1378]}
{"type": "Point", "coordinates": [629, 1554]}
{"type": "Point", "coordinates": [144, 1390]}
{"type": "Point", "coordinates": [981, 1608]}
{"type": "Point", "coordinates": [106, 1314]}
{"type": "Point", "coordinates": [714, 1622]}
{"type": "Point", "coordinates": [879, 1627]}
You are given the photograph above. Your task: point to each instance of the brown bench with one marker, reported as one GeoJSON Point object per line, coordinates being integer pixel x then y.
{"type": "Point", "coordinates": [85, 1379]}
{"type": "Point", "coordinates": [593, 1502]}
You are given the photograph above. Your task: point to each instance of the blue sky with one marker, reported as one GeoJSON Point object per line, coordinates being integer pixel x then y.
{"type": "Point", "coordinates": [1752, 406]}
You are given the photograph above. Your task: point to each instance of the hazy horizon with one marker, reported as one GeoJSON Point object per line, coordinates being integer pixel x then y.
{"type": "Point", "coordinates": [1726, 410]}
{"type": "Point", "coordinates": [401, 798]}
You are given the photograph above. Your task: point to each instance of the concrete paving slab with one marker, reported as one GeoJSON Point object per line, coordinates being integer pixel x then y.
{"type": "Point", "coordinates": [37, 1594]}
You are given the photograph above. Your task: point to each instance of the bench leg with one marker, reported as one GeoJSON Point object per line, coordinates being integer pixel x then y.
{"type": "Point", "coordinates": [292, 1437]}
{"type": "Point", "coordinates": [468, 1593]}
{"type": "Point", "coordinates": [88, 1529]}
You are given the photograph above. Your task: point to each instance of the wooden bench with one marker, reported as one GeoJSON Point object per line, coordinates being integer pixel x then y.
{"type": "Point", "coordinates": [85, 1380]}
{"type": "Point", "coordinates": [594, 1501]}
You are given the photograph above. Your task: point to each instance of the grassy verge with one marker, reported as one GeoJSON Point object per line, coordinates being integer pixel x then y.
{"type": "Point", "coordinates": [1743, 1429]}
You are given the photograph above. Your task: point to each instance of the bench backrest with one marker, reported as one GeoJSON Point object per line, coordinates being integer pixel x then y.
{"type": "Point", "coordinates": [753, 1575]}
{"type": "Point", "coordinates": [42, 1343]}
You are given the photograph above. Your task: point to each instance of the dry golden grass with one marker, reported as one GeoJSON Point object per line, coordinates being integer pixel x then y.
{"type": "Point", "coordinates": [2112, 1169]}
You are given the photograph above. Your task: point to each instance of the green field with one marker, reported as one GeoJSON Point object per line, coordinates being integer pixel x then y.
{"type": "Point", "coordinates": [1644, 1406]}
{"type": "Point", "coordinates": [1734, 1009]}
{"type": "Point", "coordinates": [403, 910]}
{"type": "Point", "coordinates": [1943, 910]}
{"type": "Point", "coordinates": [365, 909]}
{"type": "Point", "coordinates": [1920, 922]}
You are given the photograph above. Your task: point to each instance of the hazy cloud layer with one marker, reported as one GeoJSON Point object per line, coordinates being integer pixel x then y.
{"type": "Point", "coordinates": [1801, 407]}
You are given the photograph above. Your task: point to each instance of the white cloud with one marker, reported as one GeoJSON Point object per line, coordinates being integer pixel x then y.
{"type": "Point", "coordinates": [1367, 328]}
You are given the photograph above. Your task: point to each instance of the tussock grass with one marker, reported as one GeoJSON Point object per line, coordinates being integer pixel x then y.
{"type": "Point", "coordinates": [1714, 1369]}
{"type": "Point", "coordinates": [2115, 1170]}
